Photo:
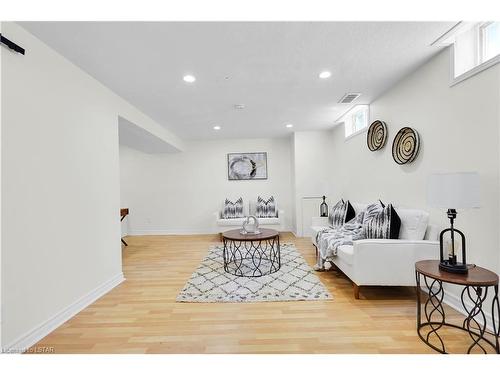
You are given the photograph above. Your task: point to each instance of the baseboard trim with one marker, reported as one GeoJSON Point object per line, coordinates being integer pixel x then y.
{"type": "Point", "coordinates": [27, 340]}
{"type": "Point", "coordinates": [179, 232]}
{"type": "Point", "coordinates": [162, 232]}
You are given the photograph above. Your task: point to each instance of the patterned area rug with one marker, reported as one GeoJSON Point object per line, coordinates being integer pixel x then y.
{"type": "Point", "coordinates": [295, 281]}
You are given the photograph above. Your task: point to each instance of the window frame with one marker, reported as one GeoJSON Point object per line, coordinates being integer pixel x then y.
{"type": "Point", "coordinates": [480, 63]}
{"type": "Point", "coordinates": [351, 112]}
{"type": "Point", "coordinates": [482, 41]}
{"type": "Point", "coordinates": [361, 131]}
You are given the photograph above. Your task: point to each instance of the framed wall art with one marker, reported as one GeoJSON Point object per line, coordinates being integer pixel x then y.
{"type": "Point", "coordinates": [247, 166]}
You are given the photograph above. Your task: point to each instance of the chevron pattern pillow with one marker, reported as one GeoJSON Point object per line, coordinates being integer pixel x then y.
{"type": "Point", "coordinates": [265, 208]}
{"type": "Point", "coordinates": [232, 210]}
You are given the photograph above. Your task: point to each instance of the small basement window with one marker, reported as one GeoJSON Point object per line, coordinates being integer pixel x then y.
{"type": "Point", "coordinates": [490, 40]}
{"type": "Point", "coordinates": [355, 120]}
{"type": "Point", "coordinates": [475, 47]}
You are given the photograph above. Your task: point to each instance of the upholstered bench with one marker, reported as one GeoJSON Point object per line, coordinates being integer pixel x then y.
{"type": "Point", "coordinates": [222, 225]}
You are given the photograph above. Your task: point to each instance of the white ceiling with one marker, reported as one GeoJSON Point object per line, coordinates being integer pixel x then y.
{"type": "Point", "coordinates": [271, 67]}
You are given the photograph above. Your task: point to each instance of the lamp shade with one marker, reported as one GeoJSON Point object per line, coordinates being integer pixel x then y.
{"type": "Point", "coordinates": [453, 190]}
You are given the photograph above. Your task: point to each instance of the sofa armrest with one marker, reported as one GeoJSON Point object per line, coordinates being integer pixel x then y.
{"type": "Point", "coordinates": [416, 250]}
{"type": "Point", "coordinates": [389, 262]}
{"type": "Point", "coordinates": [387, 242]}
{"type": "Point", "coordinates": [281, 217]}
{"type": "Point", "coordinates": [319, 221]}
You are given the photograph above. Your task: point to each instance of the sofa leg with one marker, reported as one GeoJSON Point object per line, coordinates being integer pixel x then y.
{"type": "Point", "coordinates": [356, 291]}
{"type": "Point", "coordinates": [220, 237]}
{"type": "Point", "coordinates": [315, 250]}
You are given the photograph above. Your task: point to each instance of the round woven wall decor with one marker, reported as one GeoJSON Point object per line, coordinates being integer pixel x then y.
{"type": "Point", "coordinates": [405, 146]}
{"type": "Point", "coordinates": [377, 135]}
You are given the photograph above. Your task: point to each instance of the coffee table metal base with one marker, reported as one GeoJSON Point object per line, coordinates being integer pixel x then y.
{"type": "Point", "coordinates": [248, 258]}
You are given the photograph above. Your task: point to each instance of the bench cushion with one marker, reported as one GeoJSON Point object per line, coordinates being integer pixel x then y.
{"type": "Point", "coordinates": [239, 221]}
{"type": "Point", "coordinates": [231, 222]}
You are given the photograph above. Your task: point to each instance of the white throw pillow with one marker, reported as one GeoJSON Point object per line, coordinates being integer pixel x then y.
{"type": "Point", "coordinates": [413, 224]}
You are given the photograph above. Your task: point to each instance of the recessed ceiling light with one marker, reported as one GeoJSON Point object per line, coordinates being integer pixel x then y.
{"type": "Point", "coordinates": [289, 125]}
{"type": "Point", "coordinates": [216, 127]}
{"type": "Point", "coordinates": [239, 106]}
{"type": "Point", "coordinates": [189, 78]}
{"type": "Point", "coordinates": [325, 74]}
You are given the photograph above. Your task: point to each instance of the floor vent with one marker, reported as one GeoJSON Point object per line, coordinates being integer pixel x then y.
{"type": "Point", "coordinates": [349, 98]}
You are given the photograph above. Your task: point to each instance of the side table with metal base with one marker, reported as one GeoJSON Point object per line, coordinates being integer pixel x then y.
{"type": "Point", "coordinates": [251, 255]}
{"type": "Point", "coordinates": [476, 283]}
{"type": "Point", "coordinates": [123, 213]}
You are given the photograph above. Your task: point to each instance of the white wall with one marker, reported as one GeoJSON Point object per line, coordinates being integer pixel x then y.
{"type": "Point", "coordinates": [459, 129]}
{"type": "Point", "coordinates": [293, 208]}
{"type": "Point", "coordinates": [1, 308]}
{"type": "Point", "coordinates": [60, 184]}
{"type": "Point", "coordinates": [60, 188]}
{"type": "Point", "coordinates": [178, 193]}
{"type": "Point", "coordinates": [312, 175]}
{"type": "Point", "coordinates": [498, 121]}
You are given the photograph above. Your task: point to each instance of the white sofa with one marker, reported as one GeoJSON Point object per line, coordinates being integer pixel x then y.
{"type": "Point", "coordinates": [386, 262]}
{"type": "Point", "coordinates": [222, 225]}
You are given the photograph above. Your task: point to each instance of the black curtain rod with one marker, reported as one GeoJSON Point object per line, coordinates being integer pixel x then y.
{"type": "Point", "coordinates": [11, 44]}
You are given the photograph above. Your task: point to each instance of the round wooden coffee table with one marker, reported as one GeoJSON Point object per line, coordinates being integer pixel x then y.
{"type": "Point", "coordinates": [251, 255]}
{"type": "Point", "coordinates": [476, 284]}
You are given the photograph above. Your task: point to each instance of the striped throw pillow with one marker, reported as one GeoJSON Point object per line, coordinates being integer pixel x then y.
{"type": "Point", "coordinates": [233, 210]}
{"type": "Point", "coordinates": [265, 208]}
{"type": "Point", "coordinates": [340, 214]}
{"type": "Point", "coordinates": [383, 223]}
{"type": "Point", "coordinates": [371, 211]}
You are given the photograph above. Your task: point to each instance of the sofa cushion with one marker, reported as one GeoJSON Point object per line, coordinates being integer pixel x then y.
{"type": "Point", "coordinates": [413, 224]}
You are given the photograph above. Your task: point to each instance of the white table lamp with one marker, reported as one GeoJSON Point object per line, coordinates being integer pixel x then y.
{"type": "Point", "coordinates": [452, 191]}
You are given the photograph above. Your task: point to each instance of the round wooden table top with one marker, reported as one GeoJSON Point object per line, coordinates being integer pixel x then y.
{"type": "Point", "coordinates": [265, 234]}
{"type": "Point", "coordinates": [477, 276]}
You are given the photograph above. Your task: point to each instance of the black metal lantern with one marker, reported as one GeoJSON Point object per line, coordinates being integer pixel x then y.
{"type": "Point", "coordinates": [451, 264]}
{"type": "Point", "coordinates": [323, 208]}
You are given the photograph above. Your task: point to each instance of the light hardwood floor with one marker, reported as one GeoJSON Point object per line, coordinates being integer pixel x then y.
{"type": "Point", "coordinates": [141, 315]}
